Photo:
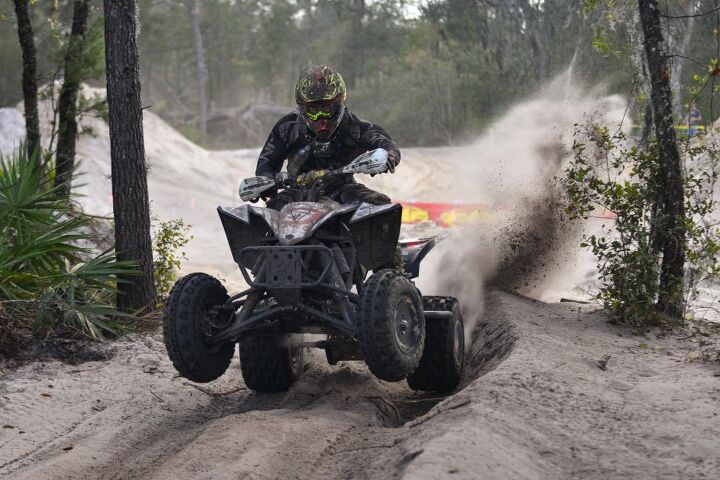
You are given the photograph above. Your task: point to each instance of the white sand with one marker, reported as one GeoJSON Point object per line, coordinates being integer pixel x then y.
{"type": "Point", "coordinates": [536, 405]}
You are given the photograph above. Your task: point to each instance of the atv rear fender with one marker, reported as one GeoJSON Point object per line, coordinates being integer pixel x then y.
{"type": "Point", "coordinates": [414, 250]}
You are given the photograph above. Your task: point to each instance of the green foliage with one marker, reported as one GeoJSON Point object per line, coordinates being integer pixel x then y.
{"type": "Point", "coordinates": [44, 278]}
{"type": "Point", "coordinates": [600, 43]}
{"type": "Point", "coordinates": [603, 44]}
{"type": "Point", "coordinates": [430, 79]}
{"type": "Point", "coordinates": [609, 175]}
{"type": "Point", "coordinates": [87, 57]}
{"type": "Point", "coordinates": [83, 60]}
{"type": "Point", "coordinates": [168, 239]}
{"type": "Point", "coordinates": [618, 179]}
{"type": "Point", "coordinates": [703, 233]}
{"type": "Point", "coordinates": [430, 73]}
{"type": "Point", "coordinates": [590, 5]}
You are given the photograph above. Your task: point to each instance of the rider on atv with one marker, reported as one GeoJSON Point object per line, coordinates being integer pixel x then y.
{"type": "Point", "coordinates": [307, 264]}
{"type": "Point", "coordinates": [322, 135]}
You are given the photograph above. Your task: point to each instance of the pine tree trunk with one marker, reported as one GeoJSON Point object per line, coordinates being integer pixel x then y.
{"type": "Point", "coordinates": [127, 152]}
{"type": "Point", "coordinates": [671, 208]}
{"type": "Point", "coordinates": [29, 76]}
{"type": "Point", "coordinates": [354, 50]}
{"type": "Point", "coordinates": [538, 46]}
{"type": "Point", "coordinates": [67, 103]}
{"type": "Point", "coordinates": [200, 65]}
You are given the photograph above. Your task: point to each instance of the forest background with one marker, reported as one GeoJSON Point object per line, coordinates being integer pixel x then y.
{"type": "Point", "coordinates": [431, 72]}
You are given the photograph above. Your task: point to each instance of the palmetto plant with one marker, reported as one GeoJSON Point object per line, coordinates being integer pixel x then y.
{"type": "Point", "coordinates": [43, 276]}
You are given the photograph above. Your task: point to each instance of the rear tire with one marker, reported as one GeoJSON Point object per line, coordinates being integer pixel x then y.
{"type": "Point", "coordinates": [268, 364]}
{"type": "Point", "coordinates": [443, 360]}
{"type": "Point", "coordinates": [391, 325]}
{"type": "Point", "coordinates": [186, 328]}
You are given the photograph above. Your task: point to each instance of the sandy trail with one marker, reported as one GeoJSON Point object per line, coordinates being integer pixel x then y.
{"type": "Point", "coordinates": [535, 405]}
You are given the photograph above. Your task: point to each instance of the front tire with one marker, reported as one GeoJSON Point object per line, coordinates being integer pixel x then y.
{"type": "Point", "coordinates": [187, 324]}
{"type": "Point", "coordinates": [391, 325]}
{"type": "Point", "coordinates": [443, 360]}
{"type": "Point", "coordinates": [269, 362]}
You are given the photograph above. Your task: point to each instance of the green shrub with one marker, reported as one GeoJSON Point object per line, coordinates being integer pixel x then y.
{"type": "Point", "coordinates": [43, 279]}
{"type": "Point", "coordinates": [610, 174]}
{"type": "Point", "coordinates": [168, 239]}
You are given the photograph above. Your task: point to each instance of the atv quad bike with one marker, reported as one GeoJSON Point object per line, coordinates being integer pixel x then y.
{"type": "Point", "coordinates": [308, 267]}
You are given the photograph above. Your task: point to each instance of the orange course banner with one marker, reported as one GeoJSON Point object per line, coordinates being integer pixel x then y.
{"type": "Point", "coordinates": [444, 214]}
{"type": "Point", "coordinates": [453, 214]}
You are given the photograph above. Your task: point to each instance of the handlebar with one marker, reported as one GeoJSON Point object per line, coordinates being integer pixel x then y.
{"type": "Point", "coordinates": [373, 162]}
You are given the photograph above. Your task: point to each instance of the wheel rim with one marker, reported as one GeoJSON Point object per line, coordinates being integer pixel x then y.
{"type": "Point", "coordinates": [458, 342]}
{"type": "Point", "coordinates": [406, 325]}
{"type": "Point", "coordinates": [294, 357]}
{"type": "Point", "coordinates": [206, 328]}
{"type": "Point", "coordinates": [294, 352]}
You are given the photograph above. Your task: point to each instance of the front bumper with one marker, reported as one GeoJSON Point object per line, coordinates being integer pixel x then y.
{"type": "Point", "coordinates": [285, 267]}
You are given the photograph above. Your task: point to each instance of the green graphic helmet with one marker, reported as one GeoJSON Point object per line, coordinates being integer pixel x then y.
{"type": "Point", "coordinates": [320, 83]}
{"type": "Point", "coordinates": [320, 94]}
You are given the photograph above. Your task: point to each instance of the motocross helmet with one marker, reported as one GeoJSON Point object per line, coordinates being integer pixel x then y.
{"type": "Point", "coordinates": [320, 95]}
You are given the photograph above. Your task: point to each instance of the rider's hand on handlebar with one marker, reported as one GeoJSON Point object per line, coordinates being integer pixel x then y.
{"type": "Point", "coordinates": [307, 179]}
{"type": "Point", "coordinates": [392, 162]}
{"type": "Point", "coordinates": [267, 195]}
{"type": "Point", "coordinates": [282, 179]}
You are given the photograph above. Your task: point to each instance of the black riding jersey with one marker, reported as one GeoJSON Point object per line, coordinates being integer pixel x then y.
{"type": "Point", "coordinates": [353, 137]}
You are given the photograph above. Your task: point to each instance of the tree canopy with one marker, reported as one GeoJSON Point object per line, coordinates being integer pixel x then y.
{"type": "Point", "coordinates": [431, 72]}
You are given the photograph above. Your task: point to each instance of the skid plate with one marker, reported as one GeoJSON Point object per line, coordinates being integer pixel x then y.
{"type": "Point", "coordinates": [284, 268]}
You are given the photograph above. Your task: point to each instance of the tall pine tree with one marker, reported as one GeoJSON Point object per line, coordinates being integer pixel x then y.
{"type": "Point", "coordinates": [29, 76]}
{"type": "Point", "coordinates": [127, 151]}
{"type": "Point", "coordinates": [67, 103]}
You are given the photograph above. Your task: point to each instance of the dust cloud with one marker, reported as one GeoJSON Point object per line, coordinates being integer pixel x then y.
{"type": "Point", "coordinates": [522, 242]}
{"type": "Point", "coordinates": [526, 244]}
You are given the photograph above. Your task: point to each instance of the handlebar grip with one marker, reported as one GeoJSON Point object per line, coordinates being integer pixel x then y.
{"type": "Point", "coordinates": [283, 180]}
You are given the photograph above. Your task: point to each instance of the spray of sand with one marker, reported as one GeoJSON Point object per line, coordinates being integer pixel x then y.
{"type": "Point", "coordinates": [528, 245]}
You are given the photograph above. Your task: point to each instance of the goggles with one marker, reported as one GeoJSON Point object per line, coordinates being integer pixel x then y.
{"type": "Point", "coordinates": [318, 111]}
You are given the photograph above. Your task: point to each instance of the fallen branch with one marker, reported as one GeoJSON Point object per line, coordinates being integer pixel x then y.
{"type": "Point", "coordinates": [211, 393]}
{"type": "Point", "coordinates": [156, 396]}
{"type": "Point", "coordinates": [438, 411]}
{"type": "Point", "coordinates": [691, 16]}
{"type": "Point", "coordinates": [422, 400]}
{"type": "Point", "coordinates": [362, 448]}
{"type": "Point", "coordinates": [573, 300]}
